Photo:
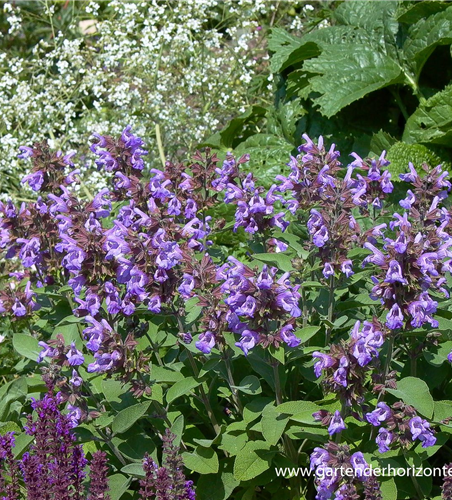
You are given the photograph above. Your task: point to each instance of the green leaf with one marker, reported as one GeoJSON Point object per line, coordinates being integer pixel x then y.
{"type": "Point", "coordinates": [127, 417]}
{"type": "Point", "coordinates": [249, 385]}
{"type": "Point", "coordinates": [216, 486]}
{"type": "Point", "coordinates": [288, 49]}
{"type": "Point", "coordinates": [273, 424]}
{"type": "Point", "coordinates": [118, 485]}
{"type": "Point", "coordinates": [134, 470]}
{"type": "Point", "coordinates": [389, 490]}
{"type": "Point", "coordinates": [6, 427]}
{"type": "Point", "coordinates": [440, 356]}
{"type": "Point", "coordinates": [252, 460]}
{"type": "Point", "coordinates": [181, 388]}
{"type": "Point", "coordinates": [400, 154]}
{"type": "Point", "coordinates": [412, 12]}
{"type": "Point", "coordinates": [255, 408]}
{"type": "Point", "coordinates": [268, 155]}
{"type": "Point", "coordinates": [202, 460]}
{"type": "Point", "coordinates": [415, 392]}
{"type": "Point", "coordinates": [371, 16]}
{"type": "Point", "coordinates": [443, 410]}
{"type": "Point", "coordinates": [425, 35]}
{"type": "Point", "coordinates": [348, 72]}
{"type": "Point", "coordinates": [432, 121]}
{"type": "Point", "coordinates": [281, 260]}
{"type": "Point", "coordinates": [295, 407]}
{"type": "Point", "coordinates": [233, 443]}
{"type": "Point", "coordinates": [26, 346]}
{"type": "Point", "coordinates": [304, 334]}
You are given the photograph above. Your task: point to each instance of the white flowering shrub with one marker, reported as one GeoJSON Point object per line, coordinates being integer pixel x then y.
{"type": "Point", "coordinates": [176, 69]}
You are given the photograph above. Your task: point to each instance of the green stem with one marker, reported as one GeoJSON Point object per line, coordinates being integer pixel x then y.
{"type": "Point", "coordinates": [204, 397]}
{"type": "Point", "coordinates": [232, 385]}
{"type": "Point", "coordinates": [331, 304]}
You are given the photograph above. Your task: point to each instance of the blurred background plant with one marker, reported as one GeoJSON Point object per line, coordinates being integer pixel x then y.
{"type": "Point", "coordinates": [176, 70]}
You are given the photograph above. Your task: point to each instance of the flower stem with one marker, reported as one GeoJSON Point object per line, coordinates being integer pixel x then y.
{"type": "Point", "coordinates": [204, 397]}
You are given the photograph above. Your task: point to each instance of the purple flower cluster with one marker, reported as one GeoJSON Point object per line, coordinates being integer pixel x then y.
{"type": "Point", "coordinates": [401, 424]}
{"type": "Point", "coordinates": [346, 364]}
{"type": "Point", "coordinates": [330, 464]}
{"type": "Point", "coordinates": [371, 189]}
{"type": "Point", "coordinates": [252, 300]}
{"type": "Point", "coordinates": [256, 209]}
{"type": "Point", "coordinates": [410, 264]}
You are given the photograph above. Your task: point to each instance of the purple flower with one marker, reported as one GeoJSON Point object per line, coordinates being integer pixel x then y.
{"type": "Point", "coordinates": [47, 352]}
{"type": "Point", "coordinates": [288, 300]}
{"type": "Point", "coordinates": [264, 280]}
{"type": "Point", "coordinates": [155, 304]}
{"type": "Point", "coordinates": [359, 464]}
{"type": "Point", "coordinates": [187, 286]}
{"type": "Point", "coordinates": [347, 268]}
{"type": "Point", "coordinates": [248, 340]}
{"type": "Point", "coordinates": [379, 415]}
{"type": "Point", "coordinates": [394, 273]}
{"type": "Point", "coordinates": [328, 270]}
{"type": "Point", "coordinates": [420, 429]}
{"type": "Point", "coordinates": [74, 356]}
{"type": "Point", "coordinates": [394, 318]}
{"type": "Point", "coordinates": [319, 457]}
{"type": "Point", "coordinates": [320, 237]}
{"type": "Point", "coordinates": [76, 380]}
{"type": "Point", "coordinates": [384, 440]}
{"type": "Point", "coordinates": [412, 176]}
{"type": "Point", "coordinates": [206, 342]}
{"type": "Point", "coordinates": [287, 335]}
{"type": "Point", "coordinates": [408, 201]}
{"type": "Point", "coordinates": [324, 362]}
{"type": "Point", "coordinates": [35, 180]}
{"type": "Point", "coordinates": [248, 307]}
{"type": "Point", "coordinates": [337, 424]}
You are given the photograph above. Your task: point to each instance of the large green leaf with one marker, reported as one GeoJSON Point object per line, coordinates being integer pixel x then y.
{"type": "Point", "coordinates": [252, 460]}
{"type": "Point", "coordinates": [127, 417]}
{"type": "Point", "coordinates": [273, 424]}
{"type": "Point", "coordinates": [216, 486]}
{"type": "Point", "coordinates": [288, 49]}
{"type": "Point", "coordinates": [371, 16]}
{"type": "Point", "coordinates": [348, 72]}
{"type": "Point", "coordinates": [432, 121]}
{"type": "Point", "coordinates": [202, 460]}
{"type": "Point", "coordinates": [415, 392]}
{"type": "Point", "coordinates": [26, 346]}
{"type": "Point", "coordinates": [181, 388]}
{"type": "Point", "coordinates": [425, 35]}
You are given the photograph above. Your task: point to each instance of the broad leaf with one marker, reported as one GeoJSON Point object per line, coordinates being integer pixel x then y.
{"type": "Point", "coordinates": [432, 121]}
{"type": "Point", "coordinates": [415, 392]}
{"type": "Point", "coordinates": [202, 460]}
{"type": "Point", "coordinates": [181, 388]}
{"type": "Point", "coordinates": [127, 417]}
{"type": "Point", "coordinates": [252, 460]}
{"type": "Point", "coordinates": [425, 35]}
{"type": "Point", "coordinates": [26, 346]}
{"type": "Point", "coordinates": [347, 73]}
{"type": "Point", "coordinates": [273, 424]}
